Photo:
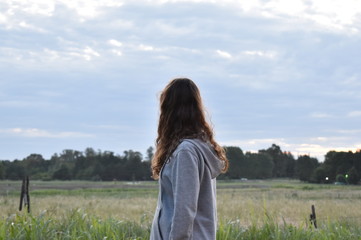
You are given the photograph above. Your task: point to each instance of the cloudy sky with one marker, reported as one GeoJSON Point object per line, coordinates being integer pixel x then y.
{"type": "Point", "coordinates": [87, 73]}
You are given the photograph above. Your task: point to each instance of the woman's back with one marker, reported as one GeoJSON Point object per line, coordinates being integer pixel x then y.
{"type": "Point", "coordinates": [187, 206]}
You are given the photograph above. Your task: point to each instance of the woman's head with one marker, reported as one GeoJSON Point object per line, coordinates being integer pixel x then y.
{"type": "Point", "coordinates": [182, 115]}
{"type": "Point", "coordinates": [181, 110]}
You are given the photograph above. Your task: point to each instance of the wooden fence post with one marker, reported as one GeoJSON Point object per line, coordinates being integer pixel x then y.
{"type": "Point", "coordinates": [25, 196]}
{"type": "Point", "coordinates": [313, 216]}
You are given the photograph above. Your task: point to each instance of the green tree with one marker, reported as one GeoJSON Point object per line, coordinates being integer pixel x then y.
{"type": "Point", "coordinates": [238, 167]}
{"type": "Point", "coordinates": [150, 153]}
{"type": "Point", "coordinates": [338, 163]}
{"type": "Point", "coordinates": [280, 160]}
{"type": "Point", "coordinates": [14, 170]}
{"type": "Point", "coordinates": [305, 165]}
{"type": "Point", "coordinates": [260, 165]}
{"type": "Point", "coordinates": [2, 170]}
{"type": "Point", "coordinates": [35, 166]}
{"type": "Point", "coordinates": [321, 174]}
{"type": "Point", "coordinates": [341, 178]}
{"type": "Point", "coordinates": [290, 164]}
{"type": "Point", "coordinates": [357, 161]}
{"type": "Point", "coordinates": [62, 174]}
{"type": "Point", "coordinates": [353, 176]}
{"type": "Point", "coordinates": [133, 166]}
{"type": "Point", "coordinates": [69, 155]}
{"type": "Point", "coordinates": [90, 153]}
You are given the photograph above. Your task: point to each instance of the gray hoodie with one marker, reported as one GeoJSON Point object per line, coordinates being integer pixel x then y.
{"type": "Point", "coordinates": [186, 206]}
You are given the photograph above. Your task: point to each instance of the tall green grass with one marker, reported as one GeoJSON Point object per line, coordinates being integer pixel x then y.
{"type": "Point", "coordinates": [270, 230]}
{"type": "Point", "coordinates": [77, 224]}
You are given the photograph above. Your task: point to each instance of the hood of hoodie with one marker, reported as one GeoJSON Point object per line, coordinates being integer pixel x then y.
{"type": "Point", "coordinates": [211, 159]}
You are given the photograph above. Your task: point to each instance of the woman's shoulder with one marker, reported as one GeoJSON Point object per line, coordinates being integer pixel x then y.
{"type": "Point", "coordinates": [189, 144]}
{"type": "Point", "coordinates": [186, 151]}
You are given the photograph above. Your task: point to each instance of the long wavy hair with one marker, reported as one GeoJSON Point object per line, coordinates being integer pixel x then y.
{"type": "Point", "coordinates": [182, 115]}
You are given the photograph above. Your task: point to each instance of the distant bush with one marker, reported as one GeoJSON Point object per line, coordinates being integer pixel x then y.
{"type": "Point", "coordinates": [341, 178]}
{"type": "Point", "coordinates": [353, 176]}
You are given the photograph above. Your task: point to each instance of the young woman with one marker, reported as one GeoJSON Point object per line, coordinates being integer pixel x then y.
{"type": "Point", "coordinates": [186, 162]}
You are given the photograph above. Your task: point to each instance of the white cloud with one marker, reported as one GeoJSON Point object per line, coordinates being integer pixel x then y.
{"type": "Point", "coordinates": [172, 29]}
{"type": "Point", "coordinates": [265, 141]}
{"type": "Point", "coordinates": [87, 53]}
{"type": "Point", "coordinates": [259, 62]}
{"type": "Point", "coordinates": [340, 11]}
{"type": "Point", "coordinates": [145, 47]}
{"type": "Point", "coordinates": [117, 52]}
{"type": "Point", "coordinates": [315, 147]}
{"type": "Point", "coordinates": [294, 7]}
{"type": "Point", "coordinates": [320, 151]}
{"type": "Point", "coordinates": [17, 10]}
{"type": "Point", "coordinates": [271, 75]}
{"type": "Point", "coordinates": [115, 43]}
{"type": "Point", "coordinates": [314, 150]}
{"type": "Point", "coordinates": [39, 133]}
{"type": "Point", "coordinates": [354, 114]}
{"type": "Point", "coordinates": [177, 1]}
{"type": "Point", "coordinates": [52, 54]}
{"type": "Point", "coordinates": [91, 51]}
{"type": "Point", "coordinates": [163, 57]}
{"type": "Point", "coordinates": [319, 139]}
{"type": "Point", "coordinates": [34, 7]}
{"type": "Point", "coordinates": [334, 15]}
{"type": "Point", "coordinates": [347, 131]}
{"type": "Point", "coordinates": [256, 144]}
{"type": "Point", "coordinates": [3, 18]}
{"type": "Point", "coordinates": [224, 54]}
{"type": "Point", "coordinates": [121, 24]}
{"type": "Point", "coordinates": [90, 8]}
{"type": "Point", "coordinates": [265, 54]}
{"type": "Point", "coordinates": [39, 58]}
{"type": "Point", "coordinates": [319, 146]}
{"type": "Point", "coordinates": [245, 55]}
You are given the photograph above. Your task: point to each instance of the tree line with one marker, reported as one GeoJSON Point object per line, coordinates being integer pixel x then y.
{"type": "Point", "coordinates": [343, 167]}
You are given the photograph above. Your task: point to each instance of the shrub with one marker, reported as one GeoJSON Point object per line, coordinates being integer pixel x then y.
{"type": "Point", "coordinates": [353, 176]}
{"type": "Point", "coordinates": [341, 178]}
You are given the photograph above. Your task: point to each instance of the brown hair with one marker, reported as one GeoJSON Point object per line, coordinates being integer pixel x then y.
{"type": "Point", "coordinates": [182, 116]}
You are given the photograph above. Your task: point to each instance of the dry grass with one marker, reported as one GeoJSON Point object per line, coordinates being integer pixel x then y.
{"type": "Point", "coordinates": [250, 205]}
{"type": "Point", "coordinates": [128, 209]}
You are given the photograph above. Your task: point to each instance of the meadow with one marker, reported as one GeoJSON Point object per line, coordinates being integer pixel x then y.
{"type": "Point", "coordinates": [274, 209]}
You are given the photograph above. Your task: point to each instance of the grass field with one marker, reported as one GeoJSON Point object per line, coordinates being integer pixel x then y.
{"type": "Point", "coordinates": [277, 209]}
